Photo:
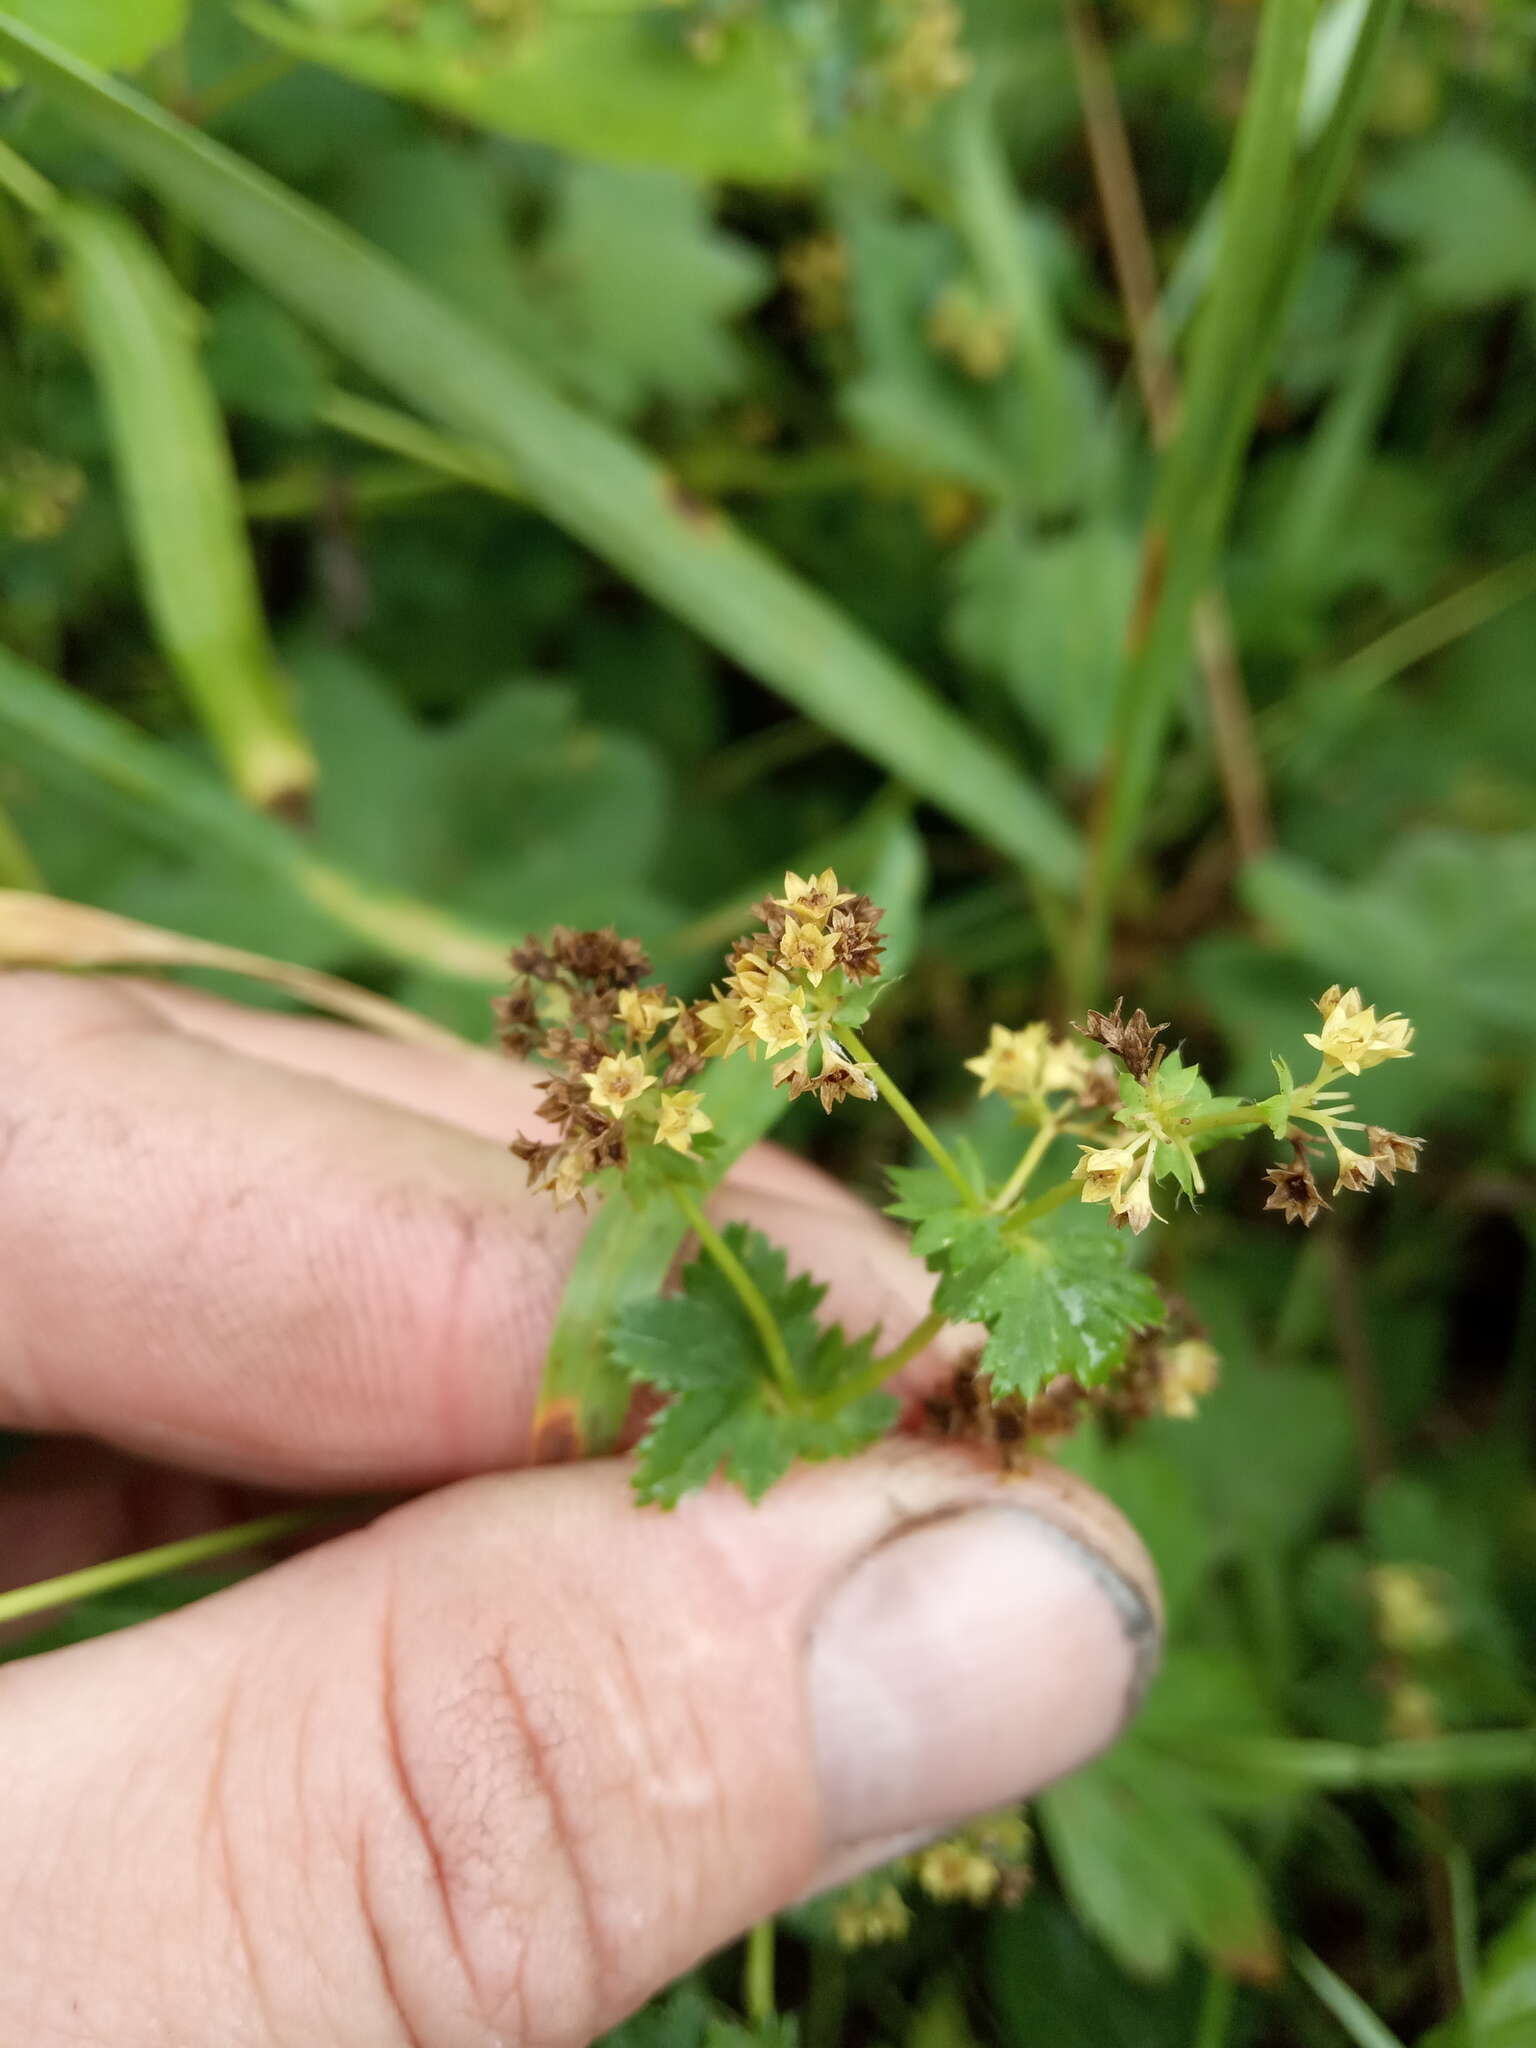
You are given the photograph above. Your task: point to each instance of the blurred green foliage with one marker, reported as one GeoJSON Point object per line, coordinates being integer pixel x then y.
{"type": "Point", "coordinates": [842, 273]}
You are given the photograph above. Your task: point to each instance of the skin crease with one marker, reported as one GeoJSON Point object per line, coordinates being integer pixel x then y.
{"type": "Point", "coordinates": [496, 1766]}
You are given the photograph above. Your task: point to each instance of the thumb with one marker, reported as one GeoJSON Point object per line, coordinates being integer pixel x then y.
{"type": "Point", "coordinates": [495, 1768]}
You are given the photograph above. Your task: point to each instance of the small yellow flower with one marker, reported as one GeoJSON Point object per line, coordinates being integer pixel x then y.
{"type": "Point", "coordinates": [753, 972]}
{"type": "Point", "coordinates": [778, 1016]}
{"type": "Point", "coordinates": [806, 949]}
{"type": "Point", "coordinates": [1411, 1617]}
{"type": "Point", "coordinates": [726, 1023]}
{"type": "Point", "coordinates": [568, 1179]}
{"type": "Point", "coordinates": [1190, 1371]}
{"type": "Point", "coordinates": [1102, 1173]}
{"type": "Point", "coordinates": [679, 1118]}
{"type": "Point", "coordinates": [952, 1870]}
{"type": "Point", "coordinates": [619, 1081]}
{"type": "Point", "coordinates": [642, 1011]}
{"type": "Point", "coordinates": [1028, 1062]}
{"type": "Point", "coordinates": [1354, 1037]}
{"type": "Point", "coordinates": [866, 1916]}
{"type": "Point", "coordinates": [813, 896]}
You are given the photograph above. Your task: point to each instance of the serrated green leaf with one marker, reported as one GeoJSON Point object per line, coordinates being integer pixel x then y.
{"type": "Point", "coordinates": [727, 1412]}
{"type": "Point", "coordinates": [1060, 1299]}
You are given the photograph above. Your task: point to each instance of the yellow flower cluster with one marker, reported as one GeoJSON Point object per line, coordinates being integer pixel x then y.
{"type": "Point", "coordinates": [1029, 1063]}
{"type": "Point", "coordinates": [788, 981]}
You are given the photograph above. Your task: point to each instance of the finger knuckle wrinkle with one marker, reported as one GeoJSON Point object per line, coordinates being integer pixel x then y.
{"type": "Point", "coordinates": [489, 1790]}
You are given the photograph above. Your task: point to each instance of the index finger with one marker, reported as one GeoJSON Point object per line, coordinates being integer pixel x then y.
{"type": "Point", "coordinates": [224, 1262]}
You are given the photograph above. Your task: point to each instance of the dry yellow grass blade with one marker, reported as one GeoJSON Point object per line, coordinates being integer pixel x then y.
{"type": "Point", "coordinates": [46, 931]}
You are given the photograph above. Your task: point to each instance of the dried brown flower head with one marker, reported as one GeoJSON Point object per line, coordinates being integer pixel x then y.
{"type": "Point", "coordinates": [1294, 1191]}
{"type": "Point", "coordinates": [1132, 1039]}
{"type": "Point", "coordinates": [1391, 1153]}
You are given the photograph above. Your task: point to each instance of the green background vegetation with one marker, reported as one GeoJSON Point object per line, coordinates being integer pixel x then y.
{"type": "Point", "coordinates": [659, 443]}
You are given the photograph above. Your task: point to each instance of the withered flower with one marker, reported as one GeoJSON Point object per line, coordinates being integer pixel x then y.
{"type": "Point", "coordinates": [517, 1020]}
{"type": "Point", "coordinates": [536, 1155]}
{"type": "Point", "coordinates": [1357, 1172]}
{"type": "Point", "coordinates": [1294, 1191]}
{"type": "Point", "coordinates": [1391, 1153]}
{"type": "Point", "coordinates": [602, 959]}
{"type": "Point", "coordinates": [855, 931]}
{"type": "Point", "coordinates": [1133, 1038]}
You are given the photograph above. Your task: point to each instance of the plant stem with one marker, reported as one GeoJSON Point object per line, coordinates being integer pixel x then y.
{"type": "Point", "coordinates": [881, 1369]}
{"type": "Point", "coordinates": [1130, 242]}
{"type": "Point", "coordinates": [18, 870]}
{"type": "Point", "coordinates": [164, 1557]}
{"type": "Point", "coordinates": [1231, 352]}
{"type": "Point", "coordinates": [747, 1291]}
{"type": "Point", "coordinates": [1054, 1198]}
{"type": "Point", "coordinates": [28, 187]}
{"type": "Point", "coordinates": [1215, 2009]}
{"type": "Point", "coordinates": [757, 1974]}
{"type": "Point", "coordinates": [909, 1116]}
{"type": "Point", "coordinates": [1019, 1179]}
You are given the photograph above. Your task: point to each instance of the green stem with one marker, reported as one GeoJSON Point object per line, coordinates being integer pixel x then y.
{"type": "Point", "coordinates": [909, 1116]}
{"type": "Point", "coordinates": [757, 1975]}
{"type": "Point", "coordinates": [747, 1293]}
{"type": "Point", "coordinates": [165, 1557]}
{"type": "Point", "coordinates": [28, 187]}
{"type": "Point", "coordinates": [1215, 2009]}
{"type": "Point", "coordinates": [881, 1369]}
{"type": "Point", "coordinates": [1230, 354]}
{"type": "Point", "coordinates": [1483, 1756]}
{"type": "Point", "coordinates": [18, 870]}
{"type": "Point", "coordinates": [1054, 1198]}
{"type": "Point", "coordinates": [1019, 1179]}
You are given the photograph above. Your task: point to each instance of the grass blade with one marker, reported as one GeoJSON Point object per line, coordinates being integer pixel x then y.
{"type": "Point", "coordinates": [599, 486]}
{"type": "Point", "coordinates": [182, 503]}
{"type": "Point", "coordinates": [47, 931]}
{"type": "Point", "coordinates": [62, 736]}
{"type": "Point", "coordinates": [1347, 2007]}
{"type": "Point", "coordinates": [1228, 361]}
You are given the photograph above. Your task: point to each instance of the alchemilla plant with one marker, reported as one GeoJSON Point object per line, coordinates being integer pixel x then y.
{"type": "Point", "coordinates": [748, 1377]}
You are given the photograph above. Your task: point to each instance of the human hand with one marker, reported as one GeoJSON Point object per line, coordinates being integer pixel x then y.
{"type": "Point", "coordinates": [495, 1767]}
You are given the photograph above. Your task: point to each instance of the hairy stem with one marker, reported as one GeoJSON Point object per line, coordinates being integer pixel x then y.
{"type": "Point", "coordinates": [909, 1116]}
{"type": "Point", "coordinates": [747, 1293]}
